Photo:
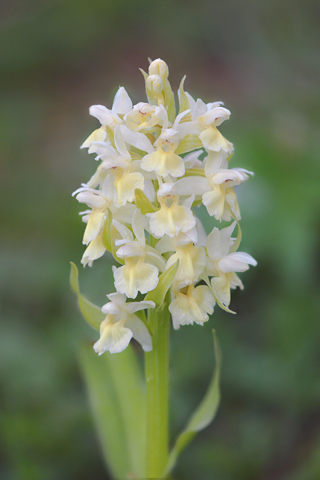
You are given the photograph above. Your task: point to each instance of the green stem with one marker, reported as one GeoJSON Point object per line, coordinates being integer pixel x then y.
{"type": "Point", "coordinates": [157, 373]}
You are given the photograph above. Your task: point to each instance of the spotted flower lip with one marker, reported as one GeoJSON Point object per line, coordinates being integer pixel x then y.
{"type": "Point", "coordinates": [155, 166]}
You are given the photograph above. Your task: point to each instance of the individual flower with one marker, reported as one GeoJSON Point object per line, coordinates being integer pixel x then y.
{"type": "Point", "coordinates": [121, 324]}
{"type": "Point", "coordinates": [208, 118]}
{"type": "Point", "coordinates": [221, 200]}
{"type": "Point", "coordinates": [191, 305]}
{"type": "Point", "coordinates": [162, 159]}
{"type": "Point", "coordinates": [142, 263]}
{"type": "Point", "coordinates": [146, 118]}
{"type": "Point", "coordinates": [223, 262]}
{"type": "Point", "coordinates": [192, 261]}
{"type": "Point", "coordinates": [108, 118]}
{"type": "Point", "coordinates": [216, 187]}
{"type": "Point", "coordinates": [172, 217]}
{"type": "Point", "coordinates": [100, 202]}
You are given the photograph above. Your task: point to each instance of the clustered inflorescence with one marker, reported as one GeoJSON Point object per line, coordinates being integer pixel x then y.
{"type": "Point", "coordinates": [155, 168]}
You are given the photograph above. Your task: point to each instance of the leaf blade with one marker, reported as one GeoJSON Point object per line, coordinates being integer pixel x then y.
{"type": "Point", "coordinates": [106, 412]}
{"type": "Point", "coordinates": [91, 312]}
{"type": "Point", "coordinates": [204, 413]}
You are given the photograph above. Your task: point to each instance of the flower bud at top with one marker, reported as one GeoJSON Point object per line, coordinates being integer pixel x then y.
{"type": "Point", "coordinates": [159, 67]}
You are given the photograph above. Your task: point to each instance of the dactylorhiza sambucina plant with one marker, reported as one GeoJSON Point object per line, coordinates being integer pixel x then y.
{"type": "Point", "coordinates": [155, 167]}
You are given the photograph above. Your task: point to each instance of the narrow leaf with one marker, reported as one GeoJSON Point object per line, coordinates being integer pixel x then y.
{"type": "Point", "coordinates": [165, 280]}
{"type": "Point", "coordinates": [106, 411]}
{"type": "Point", "coordinates": [117, 398]}
{"type": "Point", "coordinates": [91, 312]}
{"type": "Point", "coordinates": [129, 384]}
{"type": "Point", "coordinates": [203, 415]}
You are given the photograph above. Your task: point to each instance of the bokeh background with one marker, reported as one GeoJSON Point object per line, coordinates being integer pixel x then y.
{"type": "Point", "coordinates": [58, 57]}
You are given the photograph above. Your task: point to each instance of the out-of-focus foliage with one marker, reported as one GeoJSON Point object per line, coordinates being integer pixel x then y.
{"type": "Point", "coordinates": [261, 58]}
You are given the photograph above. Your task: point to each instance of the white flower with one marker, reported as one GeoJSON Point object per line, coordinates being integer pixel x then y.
{"type": "Point", "coordinates": [135, 276]}
{"type": "Point", "coordinates": [172, 217]}
{"type": "Point", "coordinates": [108, 118]}
{"type": "Point", "coordinates": [191, 305]}
{"type": "Point", "coordinates": [221, 201]}
{"type": "Point", "coordinates": [192, 261]}
{"type": "Point", "coordinates": [163, 161]}
{"type": "Point", "coordinates": [100, 201]}
{"type": "Point", "coordinates": [144, 117]}
{"type": "Point", "coordinates": [205, 118]}
{"type": "Point", "coordinates": [121, 106]}
{"type": "Point", "coordinates": [223, 262]}
{"type": "Point", "coordinates": [216, 188]}
{"type": "Point", "coordinates": [142, 263]}
{"type": "Point", "coordinates": [121, 324]}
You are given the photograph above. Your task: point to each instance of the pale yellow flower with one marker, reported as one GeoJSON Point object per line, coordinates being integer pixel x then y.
{"type": "Point", "coordinates": [192, 261]}
{"type": "Point", "coordinates": [121, 324]}
{"type": "Point", "coordinates": [223, 262]}
{"type": "Point", "coordinates": [191, 305]}
{"type": "Point", "coordinates": [172, 217]}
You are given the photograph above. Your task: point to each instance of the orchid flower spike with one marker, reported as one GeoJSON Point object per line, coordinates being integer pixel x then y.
{"type": "Point", "coordinates": [154, 167]}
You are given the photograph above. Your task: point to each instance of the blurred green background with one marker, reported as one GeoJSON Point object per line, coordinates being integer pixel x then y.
{"type": "Point", "coordinates": [58, 57]}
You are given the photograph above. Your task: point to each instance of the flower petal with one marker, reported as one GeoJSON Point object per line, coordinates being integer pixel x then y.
{"type": "Point", "coordinates": [96, 136]}
{"type": "Point", "coordinates": [122, 103]}
{"type": "Point", "coordinates": [131, 278]}
{"type": "Point", "coordinates": [213, 140]}
{"type": "Point", "coordinates": [171, 220]}
{"type": "Point", "coordinates": [221, 289]}
{"type": "Point", "coordinates": [236, 262]}
{"type": "Point", "coordinates": [136, 139]}
{"type": "Point", "coordinates": [140, 332]}
{"type": "Point", "coordinates": [94, 250]}
{"type": "Point", "coordinates": [94, 225]}
{"type": "Point", "coordinates": [192, 185]}
{"type": "Point", "coordinates": [113, 338]}
{"type": "Point", "coordinates": [103, 114]}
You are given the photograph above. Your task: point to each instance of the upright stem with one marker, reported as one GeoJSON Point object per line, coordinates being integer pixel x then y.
{"type": "Point", "coordinates": [157, 372]}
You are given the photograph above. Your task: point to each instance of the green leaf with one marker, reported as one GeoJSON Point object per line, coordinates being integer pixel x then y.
{"type": "Point", "coordinates": [143, 202]}
{"type": "Point", "coordinates": [91, 312]}
{"type": "Point", "coordinates": [116, 393]}
{"type": "Point", "coordinates": [117, 396]}
{"type": "Point", "coordinates": [204, 413]}
{"type": "Point", "coordinates": [165, 280]}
